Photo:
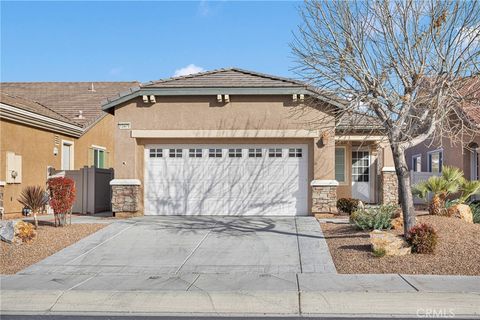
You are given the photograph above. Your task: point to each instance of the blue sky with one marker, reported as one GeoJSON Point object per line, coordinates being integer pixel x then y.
{"type": "Point", "coordinates": [115, 41]}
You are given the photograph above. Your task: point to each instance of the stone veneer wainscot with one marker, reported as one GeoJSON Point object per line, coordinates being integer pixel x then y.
{"type": "Point", "coordinates": [389, 191]}
{"type": "Point", "coordinates": [125, 197]}
{"type": "Point", "coordinates": [324, 196]}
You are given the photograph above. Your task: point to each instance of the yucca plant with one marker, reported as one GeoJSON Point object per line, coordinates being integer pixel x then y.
{"type": "Point", "coordinates": [33, 197]}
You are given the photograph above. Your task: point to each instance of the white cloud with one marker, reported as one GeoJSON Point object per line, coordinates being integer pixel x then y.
{"type": "Point", "coordinates": [116, 71]}
{"type": "Point", "coordinates": [191, 68]}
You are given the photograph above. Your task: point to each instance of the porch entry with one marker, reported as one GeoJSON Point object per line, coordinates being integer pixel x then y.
{"type": "Point", "coordinates": [361, 175]}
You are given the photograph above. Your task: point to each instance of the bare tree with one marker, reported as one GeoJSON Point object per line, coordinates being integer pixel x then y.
{"type": "Point", "coordinates": [408, 64]}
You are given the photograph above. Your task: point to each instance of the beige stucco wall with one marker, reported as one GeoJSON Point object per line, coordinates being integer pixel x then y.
{"type": "Point", "coordinates": [204, 113]}
{"type": "Point", "coordinates": [101, 134]}
{"type": "Point", "coordinates": [36, 148]}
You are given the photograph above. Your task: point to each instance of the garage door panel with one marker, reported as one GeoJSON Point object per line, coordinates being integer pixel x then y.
{"type": "Point", "coordinates": [249, 183]}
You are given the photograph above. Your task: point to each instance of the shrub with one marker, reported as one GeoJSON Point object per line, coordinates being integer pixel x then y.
{"type": "Point", "coordinates": [423, 238]}
{"type": "Point", "coordinates": [378, 253]}
{"type": "Point", "coordinates": [475, 212]}
{"type": "Point", "coordinates": [25, 231]}
{"type": "Point", "coordinates": [348, 205]}
{"type": "Point", "coordinates": [33, 198]}
{"type": "Point", "coordinates": [379, 218]}
{"type": "Point", "coordinates": [62, 197]}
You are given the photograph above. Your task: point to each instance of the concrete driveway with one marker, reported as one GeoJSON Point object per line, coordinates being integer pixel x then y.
{"type": "Point", "coordinates": [183, 245]}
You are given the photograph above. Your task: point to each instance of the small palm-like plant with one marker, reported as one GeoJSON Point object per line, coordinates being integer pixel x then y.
{"type": "Point", "coordinates": [33, 197]}
{"type": "Point", "coordinates": [441, 187]}
{"type": "Point", "coordinates": [450, 182]}
{"type": "Point", "coordinates": [468, 189]}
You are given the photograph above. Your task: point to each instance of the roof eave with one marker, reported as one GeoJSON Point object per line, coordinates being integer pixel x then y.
{"type": "Point", "coordinates": [206, 91]}
{"type": "Point", "coordinates": [30, 118]}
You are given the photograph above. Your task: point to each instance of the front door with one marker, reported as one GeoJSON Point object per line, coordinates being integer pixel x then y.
{"type": "Point", "coordinates": [361, 175]}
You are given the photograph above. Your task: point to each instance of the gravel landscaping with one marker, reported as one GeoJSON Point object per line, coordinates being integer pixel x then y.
{"type": "Point", "coordinates": [15, 257]}
{"type": "Point", "coordinates": [457, 253]}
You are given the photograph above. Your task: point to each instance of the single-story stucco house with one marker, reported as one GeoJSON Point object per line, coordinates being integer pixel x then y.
{"type": "Point", "coordinates": [46, 125]}
{"type": "Point", "coordinates": [237, 142]}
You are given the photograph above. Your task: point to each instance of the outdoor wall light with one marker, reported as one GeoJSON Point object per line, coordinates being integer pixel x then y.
{"type": "Point", "coordinates": [152, 99]}
{"type": "Point", "coordinates": [294, 97]}
{"type": "Point", "coordinates": [226, 98]}
{"type": "Point", "coordinates": [145, 99]}
{"type": "Point", "coordinates": [219, 98]}
{"type": "Point", "coordinates": [302, 97]}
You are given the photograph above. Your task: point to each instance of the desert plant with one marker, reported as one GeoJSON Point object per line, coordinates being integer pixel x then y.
{"type": "Point", "coordinates": [468, 188]}
{"type": "Point", "coordinates": [62, 196]}
{"type": "Point", "coordinates": [347, 205]}
{"type": "Point", "coordinates": [379, 218]}
{"type": "Point", "coordinates": [25, 231]}
{"type": "Point", "coordinates": [378, 253]}
{"type": "Point", "coordinates": [423, 238]}
{"type": "Point", "coordinates": [450, 182]}
{"type": "Point", "coordinates": [33, 197]}
{"type": "Point", "coordinates": [475, 212]}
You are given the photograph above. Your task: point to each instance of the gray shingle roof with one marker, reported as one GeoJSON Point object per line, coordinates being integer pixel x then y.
{"type": "Point", "coordinates": [229, 77]}
{"type": "Point", "coordinates": [68, 98]}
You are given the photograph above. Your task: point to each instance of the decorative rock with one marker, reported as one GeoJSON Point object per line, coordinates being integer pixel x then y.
{"type": "Point", "coordinates": [10, 231]}
{"type": "Point", "coordinates": [7, 231]}
{"type": "Point", "coordinates": [361, 205]}
{"type": "Point", "coordinates": [393, 245]}
{"type": "Point", "coordinates": [461, 211]}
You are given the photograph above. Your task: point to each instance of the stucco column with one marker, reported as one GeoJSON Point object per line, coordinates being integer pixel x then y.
{"type": "Point", "coordinates": [324, 196]}
{"type": "Point", "coordinates": [126, 197]}
{"type": "Point", "coordinates": [389, 187]}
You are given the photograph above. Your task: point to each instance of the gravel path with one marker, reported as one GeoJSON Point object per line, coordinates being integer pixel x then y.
{"type": "Point", "coordinates": [457, 253]}
{"type": "Point", "coordinates": [15, 257]}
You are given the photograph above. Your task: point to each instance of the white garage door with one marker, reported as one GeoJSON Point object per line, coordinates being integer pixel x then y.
{"type": "Point", "coordinates": [226, 180]}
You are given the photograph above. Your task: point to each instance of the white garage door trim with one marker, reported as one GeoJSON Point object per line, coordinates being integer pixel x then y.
{"type": "Point", "coordinates": [264, 185]}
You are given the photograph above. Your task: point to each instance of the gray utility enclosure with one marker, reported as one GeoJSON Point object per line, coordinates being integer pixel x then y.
{"type": "Point", "coordinates": [93, 189]}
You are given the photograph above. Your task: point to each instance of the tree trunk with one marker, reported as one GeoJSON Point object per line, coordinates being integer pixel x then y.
{"type": "Point", "coordinates": [35, 219]}
{"type": "Point", "coordinates": [404, 188]}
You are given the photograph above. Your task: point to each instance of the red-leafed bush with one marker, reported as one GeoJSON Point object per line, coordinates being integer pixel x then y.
{"type": "Point", "coordinates": [62, 197]}
{"type": "Point", "coordinates": [423, 238]}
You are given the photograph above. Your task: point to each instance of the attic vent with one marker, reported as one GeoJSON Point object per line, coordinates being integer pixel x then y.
{"type": "Point", "coordinates": [92, 88]}
{"type": "Point", "coordinates": [56, 140]}
{"type": "Point", "coordinates": [80, 115]}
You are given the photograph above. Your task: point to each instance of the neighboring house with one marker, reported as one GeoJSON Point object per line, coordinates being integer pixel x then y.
{"type": "Point", "coordinates": [52, 125]}
{"type": "Point", "coordinates": [236, 142]}
{"type": "Point", "coordinates": [431, 157]}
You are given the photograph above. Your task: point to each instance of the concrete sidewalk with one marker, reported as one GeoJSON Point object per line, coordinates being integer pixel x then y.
{"type": "Point", "coordinates": [242, 294]}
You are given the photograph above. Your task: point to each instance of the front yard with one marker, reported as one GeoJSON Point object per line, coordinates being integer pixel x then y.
{"type": "Point", "coordinates": [457, 252]}
{"type": "Point", "coordinates": [49, 240]}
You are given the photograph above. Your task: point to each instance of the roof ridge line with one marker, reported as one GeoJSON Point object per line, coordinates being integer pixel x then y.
{"type": "Point", "coordinates": [209, 72]}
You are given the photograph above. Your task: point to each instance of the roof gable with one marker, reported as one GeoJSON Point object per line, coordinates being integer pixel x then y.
{"type": "Point", "coordinates": [221, 78]}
